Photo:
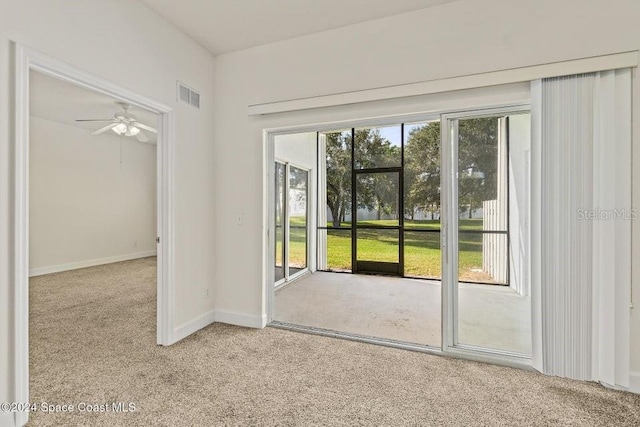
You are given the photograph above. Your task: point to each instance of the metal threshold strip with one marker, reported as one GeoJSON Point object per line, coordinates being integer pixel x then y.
{"type": "Point", "coordinates": [356, 337]}
{"type": "Point", "coordinates": [470, 353]}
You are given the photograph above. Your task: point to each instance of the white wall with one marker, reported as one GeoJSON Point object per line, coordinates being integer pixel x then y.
{"type": "Point", "coordinates": [463, 37]}
{"type": "Point", "coordinates": [91, 198]}
{"type": "Point", "coordinates": [122, 41]}
{"type": "Point", "coordinates": [299, 149]}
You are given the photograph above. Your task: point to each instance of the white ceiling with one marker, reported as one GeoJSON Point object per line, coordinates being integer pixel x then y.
{"type": "Point", "coordinates": [228, 25]}
{"type": "Point", "coordinates": [56, 100]}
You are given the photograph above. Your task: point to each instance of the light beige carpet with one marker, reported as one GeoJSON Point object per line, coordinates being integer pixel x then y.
{"type": "Point", "coordinates": [93, 341]}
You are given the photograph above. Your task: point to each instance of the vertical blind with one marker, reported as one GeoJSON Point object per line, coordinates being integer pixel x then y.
{"type": "Point", "coordinates": [584, 228]}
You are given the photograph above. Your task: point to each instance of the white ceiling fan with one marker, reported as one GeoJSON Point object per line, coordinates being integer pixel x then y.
{"type": "Point", "coordinates": [123, 124]}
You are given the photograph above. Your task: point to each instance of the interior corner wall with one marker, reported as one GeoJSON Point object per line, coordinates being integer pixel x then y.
{"type": "Point", "coordinates": [454, 39]}
{"type": "Point", "coordinates": [298, 149]}
{"type": "Point", "coordinates": [95, 36]}
{"type": "Point", "coordinates": [92, 198]}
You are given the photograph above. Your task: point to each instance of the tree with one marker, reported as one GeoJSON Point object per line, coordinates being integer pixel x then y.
{"type": "Point", "coordinates": [477, 162]}
{"type": "Point", "coordinates": [376, 191]}
{"type": "Point", "coordinates": [422, 169]}
{"type": "Point", "coordinates": [338, 175]}
{"type": "Point", "coordinates": [477, 166]}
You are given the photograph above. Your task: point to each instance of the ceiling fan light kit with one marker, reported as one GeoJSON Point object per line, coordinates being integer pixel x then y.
{"type": "Point", "coordinates": [123, 124]}
{"type": "Point", "coordinates": [126, 130]}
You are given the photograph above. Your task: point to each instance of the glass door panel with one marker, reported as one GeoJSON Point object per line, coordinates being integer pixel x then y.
{"type": "Point", "coordinates": [280, 175]}
{"type": "Point", "coordinates": [377, 199]}
{"type": "Point", "coordinates": [489, 311]}
{"type": "Point", "coordinates": [298, 219]}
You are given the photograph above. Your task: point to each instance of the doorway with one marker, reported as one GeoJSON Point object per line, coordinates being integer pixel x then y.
{"type": "Point", "coordinates": [385, 209]}
{"type": "Point", "coordinates": [377, 171]}
{"type": "Point", "coordinates": [27, 61]}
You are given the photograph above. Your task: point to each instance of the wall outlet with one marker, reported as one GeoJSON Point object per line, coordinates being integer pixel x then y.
{"type": "Point", "coordinates": [135, 244]}
{"type": "Point", "coordinates": [206, 293]}
{"type": "Point", "coordinates": [239, 219]}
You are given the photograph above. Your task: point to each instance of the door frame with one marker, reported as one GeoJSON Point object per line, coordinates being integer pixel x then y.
{"type": "Point", "coordinates": [26, 60]}
{"type": "Point", "coordinates": [269, 135]}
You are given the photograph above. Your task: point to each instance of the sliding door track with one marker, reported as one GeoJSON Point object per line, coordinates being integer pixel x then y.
{"type": "Point", "coordinates": [455, 353]}
{"type": "Point", "coordinates": [356, 337]}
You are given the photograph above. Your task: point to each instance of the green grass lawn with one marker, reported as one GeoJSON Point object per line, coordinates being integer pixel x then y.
{"type": "Point", "coordinates": [422, 250]}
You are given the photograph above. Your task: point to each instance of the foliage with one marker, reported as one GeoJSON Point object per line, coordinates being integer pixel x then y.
{"type": "Point", "coordinates": [477, 152]}
{"type": "Point", "coordinates": [477, 164]}
{"type": "Point", "coordinates": [338, 175]}
{"type": "Point", "coordinates": [422, 170]}
{"type": "Point", "coordinates": [377, 191]}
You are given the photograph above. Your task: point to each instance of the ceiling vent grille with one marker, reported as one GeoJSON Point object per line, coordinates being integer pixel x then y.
{"type": "Point", "coordinates": [188, 96]}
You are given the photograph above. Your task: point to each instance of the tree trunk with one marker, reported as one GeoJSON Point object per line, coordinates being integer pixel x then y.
{"type": "Point", "coordinates": [337, 218]}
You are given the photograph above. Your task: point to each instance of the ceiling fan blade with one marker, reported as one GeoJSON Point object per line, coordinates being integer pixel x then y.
{"type": "Point", "coordinates": [145, 127]}
{"type": "Point", "coordinates": [142, 137]}
{"type": "Point", "coordinates": [104, 129]}
{"type": "Point", "coordinates": [95, 120]}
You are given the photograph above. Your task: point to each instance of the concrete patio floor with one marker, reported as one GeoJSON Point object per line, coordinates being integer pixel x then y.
{"type": "Point", "coordinates": [406, 310]}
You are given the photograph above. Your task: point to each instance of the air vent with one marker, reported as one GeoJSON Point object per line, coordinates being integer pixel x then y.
{"type": "Point", "coordinates": [188, 95]}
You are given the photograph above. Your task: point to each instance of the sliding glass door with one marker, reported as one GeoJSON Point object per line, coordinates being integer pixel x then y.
{"type": "Point", "coordinates": [298, 220]}
{"type": "Point", "coordinates": [280, 215]}
{"type": "Point", "coordinates": [291, 221]}
{"type": "Point", "coordinates": [488, 301]}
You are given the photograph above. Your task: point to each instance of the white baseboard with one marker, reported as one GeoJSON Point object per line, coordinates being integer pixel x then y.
{"type": "Point", "coordinates": [88, 263]}
{"type": "Point", "coordinates": [241, 319]}
{"type": "Point", "coordinates": [634, 382]}
{"type": "Point", "coordinates": [7, 419]}
{"type": "Point", "coordinates": [229, 317]}
{"type": "Point", "coordinates": [192, 326]}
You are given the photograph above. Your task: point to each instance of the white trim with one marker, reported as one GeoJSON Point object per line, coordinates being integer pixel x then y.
{"type": "Point", "coordinates": [268, 223]}
{"type": "Point", "coordinates": [21, 236]}
{"type": "Point", "coordinates": [634, 382]}
{"type": "Point", "coordinates": [494, 78]}
{"type": "Point", "coordinates": [287, 223]}
{"type": "Point", "coordinates": [535, 230]}
{"type": "Point", "coordinates": [241, 319]}
{"type": "Point", "coordinates": [449, 221]}
{"type": "Point", "coordinates": [27, 59]}
{"type": "Point", "coordinates": [194, 325]}
{"type": "Point", "coordinates": [88, 263]}
{"type": "Point", "coordinates": [213, 316]}
{"type": "Point", "coordinates": [7, 419]}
